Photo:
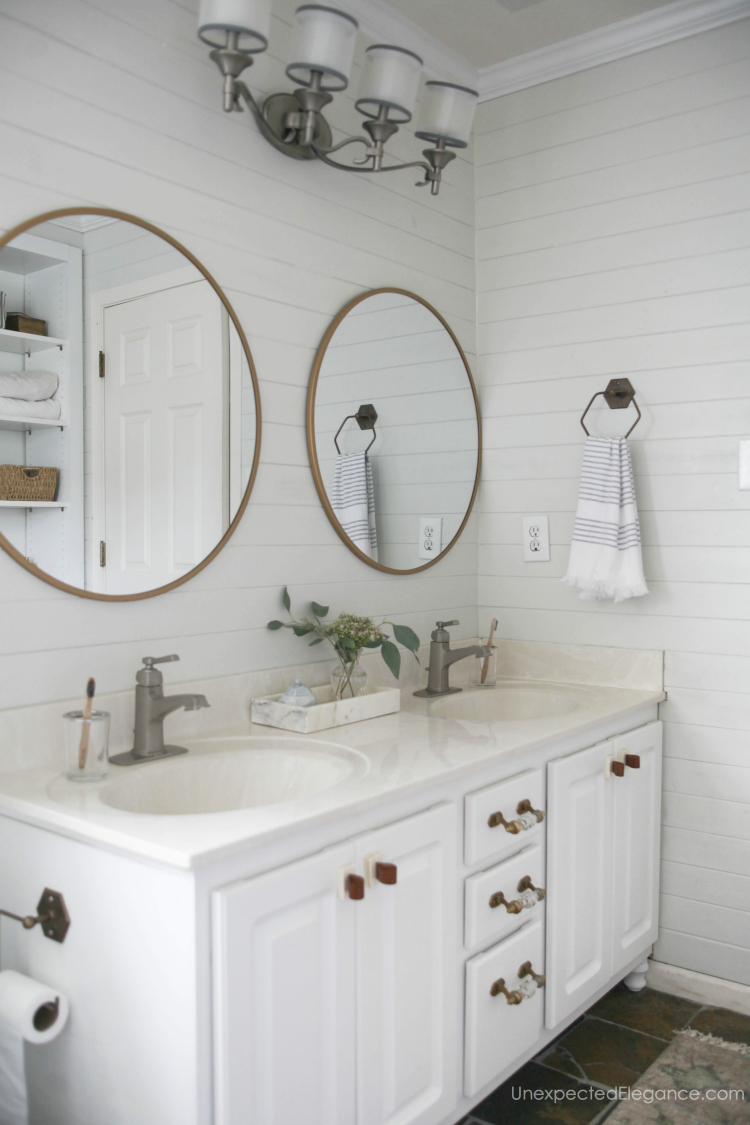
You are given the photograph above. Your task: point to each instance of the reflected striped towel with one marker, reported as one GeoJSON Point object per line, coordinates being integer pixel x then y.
{"type": "Point", "coordinates": [605, 554]}
{"type": "Point", "coordinates": [353, 501]}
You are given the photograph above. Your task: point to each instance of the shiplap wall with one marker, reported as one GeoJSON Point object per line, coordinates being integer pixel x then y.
{"type": "Point", "coordinates": [123, 109]}
{"type": "Point", "coordinates": [613, 239]}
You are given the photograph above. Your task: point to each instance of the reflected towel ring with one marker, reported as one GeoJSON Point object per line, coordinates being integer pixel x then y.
{"type": "Point", "coordinates": [366, 417]}
{"type": "Point", "coordinates": [618, 396]}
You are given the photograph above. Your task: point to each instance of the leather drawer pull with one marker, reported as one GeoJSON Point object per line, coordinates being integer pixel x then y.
{"type": "Point", "coordinates": [499, 899]}
{"type": "Point", "coordinates": [355, 886]}
{"type": "Point", "coordinates": [527, 971]}
{"type": "Point", "coordinates": [386, 873]}
{"type": "Point", "coordinates": [633, 760]}
{"type": "Point", "coordinates": [498, 986]}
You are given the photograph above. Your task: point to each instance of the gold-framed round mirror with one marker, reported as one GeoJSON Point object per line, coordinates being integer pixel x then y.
{"type": "Point", "coordinates": [394, 431]}
{"type": "Point", "coordinates": [130, 416]}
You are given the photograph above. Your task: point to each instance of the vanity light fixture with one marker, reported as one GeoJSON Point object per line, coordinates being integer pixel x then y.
{"type": "Point", "coordinates": [321, 52]}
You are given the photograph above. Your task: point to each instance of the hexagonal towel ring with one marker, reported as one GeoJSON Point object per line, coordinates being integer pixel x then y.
{"type": "Point", "coordinates": [618, 395]}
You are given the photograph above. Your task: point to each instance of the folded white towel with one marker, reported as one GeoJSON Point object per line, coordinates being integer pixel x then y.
{"type": "Point", "coordinates": [605, 554]}
{"type": "Point", "coordinates": [353, 501]}
{"type": "Point", "coordinates": [20, 408]}
{"type": "Point", "coordinates": [33, 386]}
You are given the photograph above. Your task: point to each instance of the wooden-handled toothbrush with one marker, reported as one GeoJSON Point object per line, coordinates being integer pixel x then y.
{"type": "Point", "coordinates": [486, 665]}
{"type": "Point", "coordinates": [83, 749]}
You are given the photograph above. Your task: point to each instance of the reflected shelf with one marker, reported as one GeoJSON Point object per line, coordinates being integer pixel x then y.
{"type": "Point", "coordinates": [33, 504]}
{"type": "Point", "coordinates": [24, 343]}
{"type": "Point", "coordinates": [13, 422]}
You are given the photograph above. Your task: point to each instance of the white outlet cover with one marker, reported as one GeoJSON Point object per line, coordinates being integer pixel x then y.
{"type": "Point", "coordinates": [430, 536]}
{"type": "Point", "coordinates": [536, 538]}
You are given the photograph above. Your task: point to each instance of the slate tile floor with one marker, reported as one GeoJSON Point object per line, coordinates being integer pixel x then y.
{"type": "Point", "coordinates": [611, 1045]}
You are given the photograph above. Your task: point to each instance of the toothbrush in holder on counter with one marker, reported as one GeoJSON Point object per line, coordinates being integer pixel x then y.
{"type": "Point", "coordinates": [83, 749]}
{"type": "Point", "coordinates": [486, 665]}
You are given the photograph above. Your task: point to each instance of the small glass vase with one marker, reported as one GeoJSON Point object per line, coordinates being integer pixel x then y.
{"type": "Point", "coordinates": [348, 680]}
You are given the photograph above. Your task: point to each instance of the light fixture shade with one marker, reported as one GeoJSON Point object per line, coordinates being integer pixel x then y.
{"type": "Point", "coordinates": [390, 78]}
{"type": "Point", "coordinates": [447, 113]}
{"type": "Point", "coordinates": [323, 39]}
{"type": "Point", "coordinates": [251, 18]}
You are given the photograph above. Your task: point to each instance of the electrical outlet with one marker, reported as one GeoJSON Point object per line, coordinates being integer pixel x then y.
{"type": "Point", "coordinates": [430, 536]}
{"type": "Point", "coordinates": [536, 538]}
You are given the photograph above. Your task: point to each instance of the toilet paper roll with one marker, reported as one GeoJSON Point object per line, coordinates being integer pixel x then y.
{"type": "Point", "coordinates": [31, 1010]}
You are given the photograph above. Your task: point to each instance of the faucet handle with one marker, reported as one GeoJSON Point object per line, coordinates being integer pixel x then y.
{"type": "Point", "coordinates": [445, 624]}
{"type": "Point", "coordinates": [149, 661]}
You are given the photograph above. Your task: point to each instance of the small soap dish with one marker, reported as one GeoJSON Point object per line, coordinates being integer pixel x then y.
{"type": "Point", "coordinates": [327, 712]}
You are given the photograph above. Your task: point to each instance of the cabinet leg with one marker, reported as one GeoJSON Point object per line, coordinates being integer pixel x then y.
{"type": "Point", "coordinates": [636, 981]}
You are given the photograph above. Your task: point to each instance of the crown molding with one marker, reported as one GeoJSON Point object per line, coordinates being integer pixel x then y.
{"type": "Point", "coordinates": [627, 37]}
{"type": "Point", "coordinates": [385, 25]}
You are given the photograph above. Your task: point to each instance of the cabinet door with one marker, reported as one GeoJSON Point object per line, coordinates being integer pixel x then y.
{"type": "Point", "coordinates": [579, 879]}
{"type": "Point", "coordinates": [284, 996]}
{"type": "Point", "coordinates": [406, 956]}
{"type": "Point", "coordinates": [636, 827]}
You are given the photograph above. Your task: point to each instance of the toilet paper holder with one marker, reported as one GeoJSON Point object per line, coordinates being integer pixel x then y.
{"type": "Point", "coordinates": [51, 914]}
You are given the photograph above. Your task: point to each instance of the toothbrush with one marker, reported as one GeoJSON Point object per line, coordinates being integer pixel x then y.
{"type": "Point", "coordinates": [83, 749]}
{"type": "Point", "coordinates": [486, 665]}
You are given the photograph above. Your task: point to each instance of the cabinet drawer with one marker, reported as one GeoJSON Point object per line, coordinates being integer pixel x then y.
{"type": "Point", "coordinates": [485, 920]}
{"type": "Point", "coordinates": [502, 800]}
{"type": "Point", "coordinates": [497, 1032]}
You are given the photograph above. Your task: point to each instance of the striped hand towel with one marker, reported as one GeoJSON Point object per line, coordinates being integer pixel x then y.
{"type": "Point", "coordinates": [353, 501]}
{"type": "Point", "coordinates": [605, 554]}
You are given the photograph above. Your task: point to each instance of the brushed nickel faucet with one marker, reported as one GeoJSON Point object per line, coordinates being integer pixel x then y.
{"type": "Point", "coordinates": [151, 708]}
{"type": "Point", "coordinates": [441, 658]}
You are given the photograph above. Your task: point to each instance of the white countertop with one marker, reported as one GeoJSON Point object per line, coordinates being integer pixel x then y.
{"type": "Point", "coordinates": [390, 756]}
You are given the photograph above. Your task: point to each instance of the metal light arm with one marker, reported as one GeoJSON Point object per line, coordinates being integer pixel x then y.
{"type": "Point", "coordinates": [294, 124]}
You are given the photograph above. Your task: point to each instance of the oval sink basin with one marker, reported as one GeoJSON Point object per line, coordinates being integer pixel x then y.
{"type": "Point", "coordinates": [505, 704]}
{"type": "Point", "coordinates": [233, 774]}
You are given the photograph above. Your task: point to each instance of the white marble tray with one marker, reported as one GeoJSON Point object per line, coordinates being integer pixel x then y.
{"type": "Point", "coordinates": [329, 712]}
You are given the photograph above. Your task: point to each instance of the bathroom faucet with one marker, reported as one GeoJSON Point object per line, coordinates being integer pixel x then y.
{"type": "Point", "coordinates": [151, 708]}
{"type": "Point", "coordinates": [441, 658]}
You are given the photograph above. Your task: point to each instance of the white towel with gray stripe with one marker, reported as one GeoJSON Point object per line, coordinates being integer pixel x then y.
{"type": "Point", "coordinates": [353, 501]}
{"type": "Point", "coordinates": [605, 553]}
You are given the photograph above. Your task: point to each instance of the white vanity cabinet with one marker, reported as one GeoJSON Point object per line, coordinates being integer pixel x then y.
{"type": "Point", "coordinates": [602, 864]}
{"type": "Point", "coordinates": [333, 1010]}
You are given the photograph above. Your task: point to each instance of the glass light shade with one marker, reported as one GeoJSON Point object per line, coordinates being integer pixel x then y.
{"type": "Point", "coordinates": [447, 113]}
{"type": "Point", "coordinates": [322, 39]}
{"type": "Point", "coordinates": [251, 18]}
{"type": "Point", "coordinates": [390, 78]}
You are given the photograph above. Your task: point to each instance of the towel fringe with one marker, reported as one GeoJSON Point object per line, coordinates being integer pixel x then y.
{"type": "Point", "coordinates": [595, 589]}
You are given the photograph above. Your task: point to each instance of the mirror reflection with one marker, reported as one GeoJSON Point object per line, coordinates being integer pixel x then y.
{"type": "Point", "coordinates": [127, 406]}
{"type": "Point", "coordinates": [395, 431]}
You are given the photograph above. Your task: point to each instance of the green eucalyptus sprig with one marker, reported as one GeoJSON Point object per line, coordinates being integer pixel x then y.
{"type": "Point", "coordinates": [349, 634]}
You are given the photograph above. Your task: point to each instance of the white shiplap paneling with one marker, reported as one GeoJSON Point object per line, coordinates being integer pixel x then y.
{"type": "Point", "coordinates": [125, 111]}
{"type": "Point", "coordinates": [612, 239]}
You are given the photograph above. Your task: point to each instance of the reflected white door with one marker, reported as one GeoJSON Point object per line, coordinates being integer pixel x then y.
{"type": "Point", "coordinates": [165, 403]}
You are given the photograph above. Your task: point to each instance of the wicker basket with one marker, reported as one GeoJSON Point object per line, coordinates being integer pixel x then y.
{"type": "Point", "coordinates": [27, 482]}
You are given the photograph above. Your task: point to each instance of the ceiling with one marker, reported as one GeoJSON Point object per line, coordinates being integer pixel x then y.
{"type": "Point", "coordinates": [490, 31]}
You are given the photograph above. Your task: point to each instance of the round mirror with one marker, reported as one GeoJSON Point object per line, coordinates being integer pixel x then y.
{"type": "Point", "coordinates": [393, 431]}
{"type": "Point", "coordinates": [129, 406]}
